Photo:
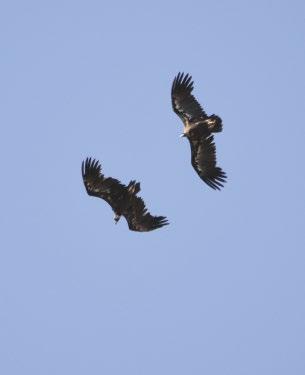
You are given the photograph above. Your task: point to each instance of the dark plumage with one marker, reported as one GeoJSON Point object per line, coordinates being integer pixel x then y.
{"type": "Point", "coordinates": [122, 199]}
{"type": "Point", "coordinates": [198, 128]}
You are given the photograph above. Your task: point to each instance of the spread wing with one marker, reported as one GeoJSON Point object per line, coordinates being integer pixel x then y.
{"type": "Point", "coordinates": [97, 185]}
{"type": "Point", "coordinates": [184, 103]}
{"type": "Point", "coordinates": [204, 162]}
{"type": "Point", "coordinates": [139, 219]}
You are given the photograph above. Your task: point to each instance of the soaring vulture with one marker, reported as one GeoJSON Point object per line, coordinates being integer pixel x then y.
{"type": "Point", "coordinates": [122, 199]}
{"type": "Point", "coordinates": [198, 128]}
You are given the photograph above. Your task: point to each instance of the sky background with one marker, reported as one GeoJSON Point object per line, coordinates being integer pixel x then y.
{"type": "Point", "coordinates": [221, 290]}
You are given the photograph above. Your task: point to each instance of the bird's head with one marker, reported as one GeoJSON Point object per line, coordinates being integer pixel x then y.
{"type": "Point", "coordinates": [116, 218]}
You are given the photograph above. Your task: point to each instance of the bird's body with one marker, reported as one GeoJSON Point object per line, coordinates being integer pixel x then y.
{"type": "Point", "coordinates": [122, 199]}
{"type": "Point", "coordinates": [199, 129]}
{"type": "Point", "coordinates": [202, 127]}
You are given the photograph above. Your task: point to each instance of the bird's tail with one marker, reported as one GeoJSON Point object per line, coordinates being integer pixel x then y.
{"type": "Point", "coordinates": [133, 187]}
{"type": "Point", "coordinates": [215, 124]}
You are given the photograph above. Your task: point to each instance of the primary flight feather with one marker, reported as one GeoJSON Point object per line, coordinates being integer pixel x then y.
{"type": "Point", "coordinates": [122, 199]}
{"type": "Point", "coordinates": [198, 128]}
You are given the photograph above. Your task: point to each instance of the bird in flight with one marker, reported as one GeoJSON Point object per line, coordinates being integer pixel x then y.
{"type": "Point", "coordinates": [122, 199]}
{"type": "Point", "coordinates": [198, 128]}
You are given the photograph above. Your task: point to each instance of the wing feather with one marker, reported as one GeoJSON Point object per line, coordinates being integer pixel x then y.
{"type": "Point", "coordinates": [184, 103]}
{"type": "Point", "coordinates": [204, 162]}
{"type": "Point", "coordinates": [99, 186]}
{"type": "Point", "coordinates": [139, 219]}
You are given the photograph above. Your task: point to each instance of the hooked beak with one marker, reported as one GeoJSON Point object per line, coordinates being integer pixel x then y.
{"type": "Point", "coordinates": [182, 135]}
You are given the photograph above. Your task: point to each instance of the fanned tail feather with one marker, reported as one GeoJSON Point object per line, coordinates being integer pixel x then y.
{"type": "Point", "coordinates": [214, 123]}
{"type": "Point", "coordinates": [133, 187]}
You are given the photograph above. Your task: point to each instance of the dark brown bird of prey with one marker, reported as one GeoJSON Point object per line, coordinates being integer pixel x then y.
{"type": "Point", "coordinates": [198, 128]}
{"type": "Point", "coordinates": [122, 199]}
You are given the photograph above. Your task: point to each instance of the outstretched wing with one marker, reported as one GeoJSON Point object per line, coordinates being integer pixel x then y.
{"type": "Point", "coordinates": [204, 162]}
{"type": "Point", "coordinates": [184, 103]}
{"type": "Point", "coordinates": [97, 185]}
{"type": "Point", "coordinates": [139, 219]}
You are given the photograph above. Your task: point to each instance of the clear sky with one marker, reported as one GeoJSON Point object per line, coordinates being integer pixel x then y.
{"type": "Point", "coordinates": [221, 290]}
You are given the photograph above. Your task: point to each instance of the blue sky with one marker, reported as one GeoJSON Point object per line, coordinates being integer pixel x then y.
{"type": "Point", "coordinates": [221, 290]}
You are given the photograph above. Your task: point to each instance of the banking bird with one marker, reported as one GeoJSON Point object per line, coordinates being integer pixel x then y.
{"type": "Point", "coordinates": [122, 199]}
{"type": "Point", "coordinates": [198, 128]}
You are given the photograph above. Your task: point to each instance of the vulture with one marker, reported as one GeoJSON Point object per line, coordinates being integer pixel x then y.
{"type": "Point", "coordinates": [199, 129]}
{"type": "Point", "coordinates": [122, 199]}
